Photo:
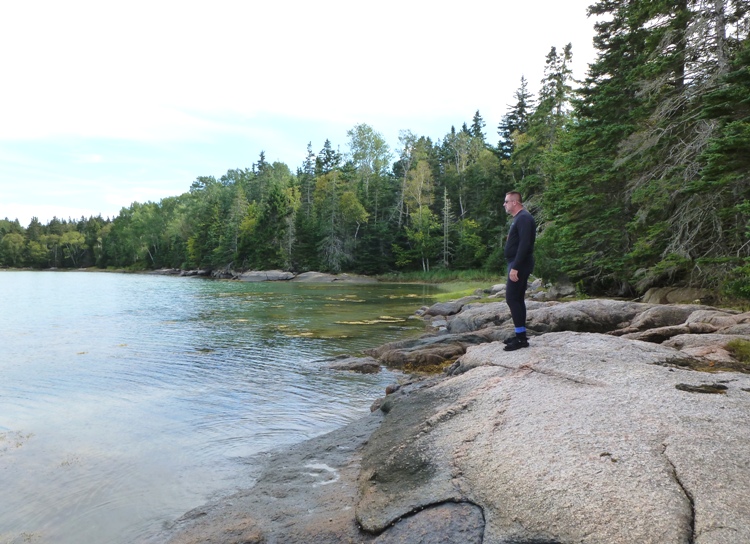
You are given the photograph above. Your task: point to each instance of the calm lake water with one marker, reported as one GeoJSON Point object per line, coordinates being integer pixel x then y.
{"type": "Point", "coordinates": [126, 400]}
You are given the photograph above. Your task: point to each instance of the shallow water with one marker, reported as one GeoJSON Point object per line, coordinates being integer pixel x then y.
{"type": "Point", "coordinates": [126, 400]}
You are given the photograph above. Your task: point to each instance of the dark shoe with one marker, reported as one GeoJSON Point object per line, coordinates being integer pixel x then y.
{"type": "Point", "coordinates": [516, 343]}
{"type": "Point", "coordinates": [512, 339]}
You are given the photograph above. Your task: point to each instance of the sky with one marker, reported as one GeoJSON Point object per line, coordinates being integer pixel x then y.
{"type": "Point", "coordinates": [103, 104]}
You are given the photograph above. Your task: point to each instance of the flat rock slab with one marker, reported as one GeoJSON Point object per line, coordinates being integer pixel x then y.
{"type": "Point", "coordinates": [582, 438]}
{"type": "Point", "coordinates": [265, 275]}
{"type": "Point", "coordinates": [320, 277]}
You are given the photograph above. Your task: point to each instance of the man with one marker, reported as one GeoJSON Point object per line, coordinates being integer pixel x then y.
{"type": "Point", "coordinates": [519, 253]}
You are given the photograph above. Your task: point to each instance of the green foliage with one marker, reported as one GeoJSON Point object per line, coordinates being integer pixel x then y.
{"type": "Point", "coordinates": [740, 350]}
{"type": "Point", "coordinates": [12, 246]}
{"type": "Point", "coordinates": [737, 283]}
{"type": "Point", "coordinates": [459, 279]}
{"type": "Point", "coordinates": [470, 249]}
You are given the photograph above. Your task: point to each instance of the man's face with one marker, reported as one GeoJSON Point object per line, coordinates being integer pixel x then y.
{"type": "Point", "coordinates": [510, 204]}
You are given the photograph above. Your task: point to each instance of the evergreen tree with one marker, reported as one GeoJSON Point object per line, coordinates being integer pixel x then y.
{"type": "Point", "coordinates": [516, 121]}
{"type": "Point", "coordinates": [726, 174]}
{"type": "Point", "coordinates": [584, 225]}
{"type": "Point", "coordinates": [477, 127]}
{"type": "Point", "coordinates": [534, 157]}
{"type": "Point", "coordinates": [327, 160]}
{"type": "Point", "coordinates": [675, 225]}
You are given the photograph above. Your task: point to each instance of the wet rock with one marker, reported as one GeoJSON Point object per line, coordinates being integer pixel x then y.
{"type": "Point", "coordinates": [363, 365]}
{"type": "Point", "coordinates": [419, 359]}
{"type": "Point", "coordinates": [303, 494]}
{"type": "Point", "coordinates": [225, 273]}
{"type": "Point", "coordinates": [430, 351]}
{"type": "Point", "coordinates": [167, 272]}
{"type": "Point", "coordinates": [710, 388]}
{"type": "Point", "coordinates": [439, 323]}
{"type": "Point", "coordinates": [449, 308]}
{"type": "Point", "coordinates": [193, 273]}
{"type": "Point", "coordinates": [447, 523]}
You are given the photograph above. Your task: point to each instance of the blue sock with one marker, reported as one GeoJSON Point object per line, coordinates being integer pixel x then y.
{"type": "Point", "coordinates": [520, 330]}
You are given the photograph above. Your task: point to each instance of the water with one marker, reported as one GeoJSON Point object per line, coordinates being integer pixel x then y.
{"type": "Point", "coordinates": [126, 400]}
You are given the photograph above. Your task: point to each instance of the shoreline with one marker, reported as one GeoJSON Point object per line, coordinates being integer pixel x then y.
{"type": "Point", "coordinates": [313, 481]}
{"type": "Point", "coordinates": [498, 437]}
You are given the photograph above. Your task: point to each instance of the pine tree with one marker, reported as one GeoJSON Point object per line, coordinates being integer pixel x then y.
{"type": "Point", "coordinates": [674, 224]}
{"type": "Point", "coordinates": [477, 127]}
{"type": "Point", "coordinates": [584, 231]}
{"type": "Point", "coordinates": [515, 121]}
{"type": "Point", "coordinates": [726, 174]}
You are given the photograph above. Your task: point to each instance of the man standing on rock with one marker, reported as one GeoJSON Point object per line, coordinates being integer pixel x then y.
{"type": "Point", "coordinates": [519, 254]}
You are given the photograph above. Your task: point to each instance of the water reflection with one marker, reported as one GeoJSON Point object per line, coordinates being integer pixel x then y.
{"type": "Point", "coordinates": [126, 400]}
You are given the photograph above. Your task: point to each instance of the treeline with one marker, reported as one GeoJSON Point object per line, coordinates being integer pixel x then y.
{"type": "Point", "coordinates": [638, 176]}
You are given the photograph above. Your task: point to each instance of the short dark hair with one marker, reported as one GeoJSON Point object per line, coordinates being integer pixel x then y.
{"type": "Point", "coordinates": [516, 195]}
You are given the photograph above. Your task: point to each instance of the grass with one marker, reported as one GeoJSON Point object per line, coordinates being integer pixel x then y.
{"type": "Point", "coordinates": [453, 291]}
{"type": "Point", "coordinates": [740, 350]}
{"type": "Point", "coordinates": [451, 284]}
{"type": "Point", "coordinates": [442, 275]}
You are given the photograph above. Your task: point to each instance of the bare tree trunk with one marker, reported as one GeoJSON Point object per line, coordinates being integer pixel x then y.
{"type": "Point", "coordinates": [720, 21]}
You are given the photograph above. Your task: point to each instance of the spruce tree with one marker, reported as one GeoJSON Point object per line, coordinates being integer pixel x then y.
{"type": "Point", "coordinates": [515, 121]}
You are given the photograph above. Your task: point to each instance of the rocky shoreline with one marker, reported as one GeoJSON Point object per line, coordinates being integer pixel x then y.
{"type": "Point", "coordinates": [265, 275]}
{"type": "Point", "coordinates": [623, 422]}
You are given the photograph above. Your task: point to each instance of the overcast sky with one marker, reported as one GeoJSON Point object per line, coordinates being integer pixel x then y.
{"type": "Point", "coordinates": [104, 103]}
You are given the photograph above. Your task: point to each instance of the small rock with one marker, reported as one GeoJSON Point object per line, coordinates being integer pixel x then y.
{"type": "Point", "coordinates": [449, 308]}
{"type": "Point", "coordinates": [392, 388]}
{"type": "Point", "coordinates": [363, 365]}
{"type": "Point", "coordinates": [711, 388]}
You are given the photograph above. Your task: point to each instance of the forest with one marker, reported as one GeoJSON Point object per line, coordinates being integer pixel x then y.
{"type": "Point", "coordinates": [638, 176]}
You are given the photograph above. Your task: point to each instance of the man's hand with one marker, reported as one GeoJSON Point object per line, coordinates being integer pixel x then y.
{"type": "Point", "coordinates": [513, 275]}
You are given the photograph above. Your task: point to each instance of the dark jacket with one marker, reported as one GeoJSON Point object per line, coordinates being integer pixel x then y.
{"type": "Point", "coordinates": [519, 248]}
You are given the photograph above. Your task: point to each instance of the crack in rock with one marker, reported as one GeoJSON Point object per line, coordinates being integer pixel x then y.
{"type": "Point", "coordinates": [688, 495]}
{"type": "Point", "coordinates": [561, 375]}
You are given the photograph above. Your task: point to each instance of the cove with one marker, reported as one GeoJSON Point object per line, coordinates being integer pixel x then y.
{"type": "Point", "coordinates": [126, 400]}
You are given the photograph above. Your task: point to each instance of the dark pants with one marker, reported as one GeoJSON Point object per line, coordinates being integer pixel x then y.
{"type": "Point", "coordinates": [515, 293]}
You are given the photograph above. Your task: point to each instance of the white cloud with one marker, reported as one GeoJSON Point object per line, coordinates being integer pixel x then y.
{"type": "Point", "coordinates": [93, 158]}
{"type": "Point", "coordinates": [203, 87]}
{"type": "Point", "coordinates": [133, 70]}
